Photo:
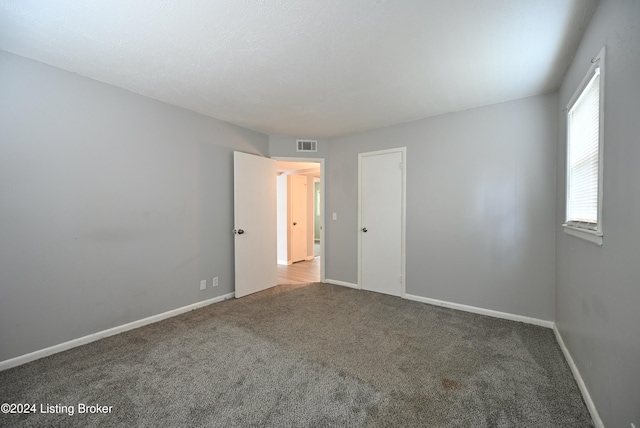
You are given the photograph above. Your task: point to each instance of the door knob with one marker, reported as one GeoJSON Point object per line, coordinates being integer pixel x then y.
{"type": "Point", "coordinates": [239, 231]}
{"type": "Point", "coordinates": [294, 223]}
{"type": "Point", "coordinates": [364, 229]}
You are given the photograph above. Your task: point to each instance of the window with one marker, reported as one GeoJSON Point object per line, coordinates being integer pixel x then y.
{"type": "Point", "coordinates": [584, 156]}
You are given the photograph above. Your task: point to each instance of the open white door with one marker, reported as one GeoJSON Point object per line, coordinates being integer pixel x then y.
{"type": "Point", "coordinates": [254, 203]}
{"type": "Point", "coordinates": [298, 231]}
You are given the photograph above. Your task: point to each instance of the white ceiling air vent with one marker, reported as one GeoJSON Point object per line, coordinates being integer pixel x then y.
{"type": "Point", "coordinates": [307, 145]}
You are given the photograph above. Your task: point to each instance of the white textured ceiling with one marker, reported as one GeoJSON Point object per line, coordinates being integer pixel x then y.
{"type": "Point", "coordinates": [316, 68]}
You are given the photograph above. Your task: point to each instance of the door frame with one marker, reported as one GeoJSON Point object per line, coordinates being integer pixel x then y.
{"type": "Point", "coordinates": [322, 205]}
{"type": "Point", "coordinates": [403, 215]}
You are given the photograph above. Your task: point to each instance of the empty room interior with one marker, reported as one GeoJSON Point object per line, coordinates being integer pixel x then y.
{"type": "Point", "coordinates": [363, 213]}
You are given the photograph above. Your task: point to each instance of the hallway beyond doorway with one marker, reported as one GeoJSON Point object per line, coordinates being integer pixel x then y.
{"type": "Point", "coordinates": [300, 273]}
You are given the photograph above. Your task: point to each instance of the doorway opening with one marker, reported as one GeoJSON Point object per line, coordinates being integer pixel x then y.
{"type": "Point", "coordinates": [300, 227]}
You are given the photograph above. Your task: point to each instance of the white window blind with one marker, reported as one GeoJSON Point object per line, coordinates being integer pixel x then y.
{"type": "Point", "coordinates": [583, 154]}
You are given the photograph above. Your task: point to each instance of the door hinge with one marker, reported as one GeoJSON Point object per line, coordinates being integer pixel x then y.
{"type": "Point", "coordinates": [400, 279]}
{"type": "Point", "coordinates": [401, 165]}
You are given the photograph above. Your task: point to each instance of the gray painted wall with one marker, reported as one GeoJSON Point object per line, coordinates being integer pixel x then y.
{"type": "Point", "coordinates": [113, 206]}
{"type": "Point", "coordinates": [480, 205]}
{"type": "Point", "coordinates": [598, 288]}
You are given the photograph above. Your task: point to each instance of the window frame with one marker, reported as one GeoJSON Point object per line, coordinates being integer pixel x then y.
{"type": "Point", "coordinates": [591, 235]}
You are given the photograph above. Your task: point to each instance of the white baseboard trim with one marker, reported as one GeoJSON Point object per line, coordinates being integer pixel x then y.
{"type": "Point", "coordinates": [342, 283]}
{"type": "Point", "coordinates": [36, 355]}
{"type": "Point", "coordinates": [284, 262]}
{"type": "Point", "coordinates": [481, 311]}
{"type": "Point", "coordinates": [597, 422]}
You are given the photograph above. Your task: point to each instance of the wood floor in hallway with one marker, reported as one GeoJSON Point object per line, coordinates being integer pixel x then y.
{"type": "Point", "coordinates": [300, 272]}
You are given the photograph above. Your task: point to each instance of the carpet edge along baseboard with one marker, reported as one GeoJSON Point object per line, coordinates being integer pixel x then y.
{"type": "Point", "coordinates": [74, 343]}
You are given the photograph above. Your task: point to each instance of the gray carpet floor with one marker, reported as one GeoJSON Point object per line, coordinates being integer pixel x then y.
{"type": "Point", "coordinates": [308, 356]}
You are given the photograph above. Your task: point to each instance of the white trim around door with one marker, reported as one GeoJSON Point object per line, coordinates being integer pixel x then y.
{"type": "Point", "coordinates": [322, 205]}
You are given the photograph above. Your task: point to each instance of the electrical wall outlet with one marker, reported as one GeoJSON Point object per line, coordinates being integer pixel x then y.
{"type": "Point", "coordinates": [203, 284]}
{"type": "Point", "coordinates": [215, 281]}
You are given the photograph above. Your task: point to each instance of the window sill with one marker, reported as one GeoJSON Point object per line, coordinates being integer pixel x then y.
{"type": "Point", "coordinates": [588, 235]}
